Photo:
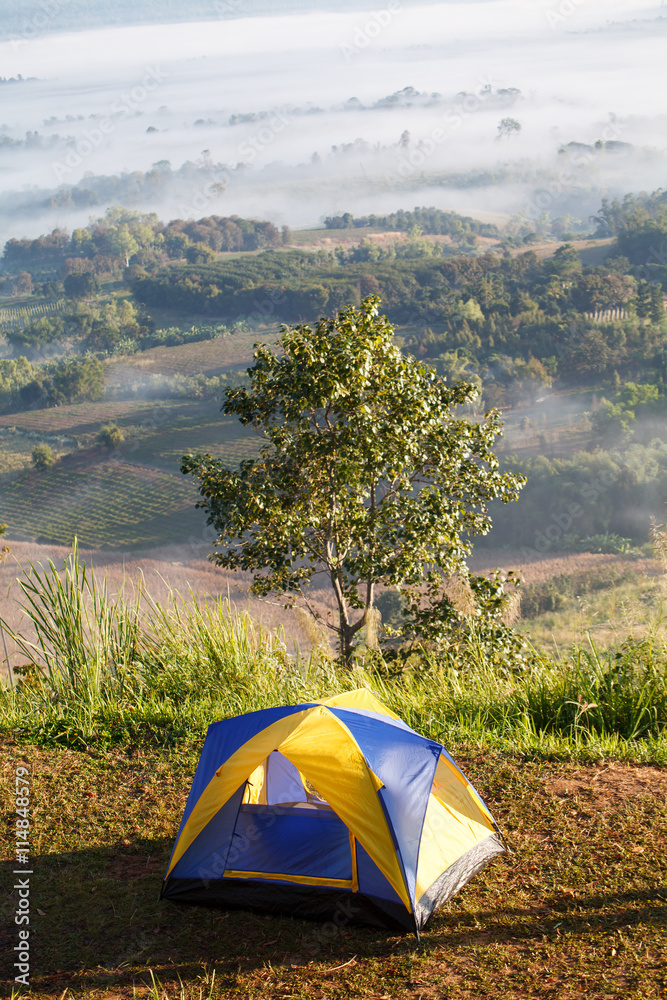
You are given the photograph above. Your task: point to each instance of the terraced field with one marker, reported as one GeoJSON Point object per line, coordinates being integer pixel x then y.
{"type": "Point", "coordinates": [105, 503]}
{"type": "Point", "coordinates": [207, 357]}
{"type": "Point", "coordinates": [197, 429]}
{"type": "Point", "coordinates": [137, 497]}
{"type": "Point", "coordinates": [16, 450]}
{"type": "Point", "coordinates": [84, 418]}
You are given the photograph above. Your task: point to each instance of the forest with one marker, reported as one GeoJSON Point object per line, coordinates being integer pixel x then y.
{"type": "Point", "coordinates": [522, 326]}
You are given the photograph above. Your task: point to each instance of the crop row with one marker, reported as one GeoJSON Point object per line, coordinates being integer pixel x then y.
{"type": "Point", "coordinates": [205, 357]}
{"type": "Point", "coordinates": [16, 317]}
{"type": "Point", "coordinates": [86, 417]}
{"type": "Point", "coordinates": [112, 503]}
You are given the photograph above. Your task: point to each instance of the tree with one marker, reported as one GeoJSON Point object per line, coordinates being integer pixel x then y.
{"type": "Point", "coordinates": [508, 127]}
{"type": "Point", "coordinates": [42, 331]}
{"type": "Point", "coordinates": [199, 253]}
{"type": "Point", "coordinates": [123, 243]}
{"type": "Point", "coordinates": [42, 456]}
{"type": "Point", "coordinates": [77, 381]}
{"type": "Point", "coordinates": [110, 436]}
{"type": "Point", "coordinates": [81, 286]}
{"type": "Point", "coordinates": [367, 474]}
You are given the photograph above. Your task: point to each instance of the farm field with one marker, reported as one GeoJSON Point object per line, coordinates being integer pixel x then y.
{"type": "Point", "coordinates": [103, 502]}
{"type": "Point", "coordinates": [193, 428]}
{"type": "Point", "coordinates": [16, 316]}
{"type": "Point", "coordinates": [86, 418]}
{"type": "Point", "coordinates": [142, 499]}
{"type": "Point", "coordinates": [204, 357]}
{"type": "Point", "coordinates": [157, 433]}
{"type": "Point", "coordinates": [16, 449]}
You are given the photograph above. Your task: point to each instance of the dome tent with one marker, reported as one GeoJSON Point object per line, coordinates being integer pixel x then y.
{"type": "Point", "coordinates": [332, 810]}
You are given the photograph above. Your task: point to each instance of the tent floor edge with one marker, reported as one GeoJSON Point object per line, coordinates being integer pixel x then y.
{"type": "Point", "coordinates": [456, 876]}
{"type": "Point", "coordinates": [326, 905]}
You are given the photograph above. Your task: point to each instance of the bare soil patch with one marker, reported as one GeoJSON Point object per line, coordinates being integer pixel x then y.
{"type": "Point", "coordinates": [612, 784]}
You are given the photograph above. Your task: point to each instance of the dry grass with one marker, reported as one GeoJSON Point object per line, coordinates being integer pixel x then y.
{"type": "Point", "coordinates": [576, 909]}
{"type": "Point", "coordinates": [630, 606]}
{"type": "Point", "coordinates": [544, 567]}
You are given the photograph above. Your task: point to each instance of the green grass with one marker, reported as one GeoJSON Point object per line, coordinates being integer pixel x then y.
{"type": "Point", "coordinates": [578, 908]}
{"type": "Point", "coordinates": [104, 674]}
{"type": "Point", "coordinates": [609, 602]}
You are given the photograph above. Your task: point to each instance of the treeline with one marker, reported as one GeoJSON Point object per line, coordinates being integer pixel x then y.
{"type": "Point", "coordinates": [287, 285]}
{"type": "Point", "coordinates": [432, 221]}
{"type": "Point", "coordinates": [639, 223]}
{"type": "Point", "coordinates": [26, 386]}
{"type": "Point", "coordinates": [109, 325]}
{"type": "Point", "coordinates": [483, 316]}
{"type": "Point", "coordinates": [122, 235]}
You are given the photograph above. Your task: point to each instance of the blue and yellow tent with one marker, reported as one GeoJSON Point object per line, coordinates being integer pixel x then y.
{"type": "Point", "coordinates": [334, 811]}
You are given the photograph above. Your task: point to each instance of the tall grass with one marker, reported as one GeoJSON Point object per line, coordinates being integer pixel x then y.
{"type": "Point", "coordinates": [104, 668]}
{"type": "Point", "coordinates": [86, 645]}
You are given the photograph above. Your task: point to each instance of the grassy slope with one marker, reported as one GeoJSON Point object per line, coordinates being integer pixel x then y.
{"type": "Point", "coordinates": [578, 908]}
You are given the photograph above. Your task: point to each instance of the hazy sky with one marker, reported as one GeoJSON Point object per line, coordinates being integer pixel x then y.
{"type": "Point", "coordinates": [576, 62]}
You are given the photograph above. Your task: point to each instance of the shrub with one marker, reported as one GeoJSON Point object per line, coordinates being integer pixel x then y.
{"type": "Point", "coordinates": [42, 456]}
{"type": "Point", "coordinates": [110, 436]}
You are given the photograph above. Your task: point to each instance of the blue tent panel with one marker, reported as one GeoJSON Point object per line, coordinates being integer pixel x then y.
{"type": "Point", "coordinates": [371, 880]}
{"type": "Point", "coordinates": [405, 762]}
{"type": "Point", "coordinates": [300, 840]}
{"type": "Point", "coordinates": [207, 855]}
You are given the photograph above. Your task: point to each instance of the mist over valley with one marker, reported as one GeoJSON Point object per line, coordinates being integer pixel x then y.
{"type": "Point", "coordinates": [294, 117]}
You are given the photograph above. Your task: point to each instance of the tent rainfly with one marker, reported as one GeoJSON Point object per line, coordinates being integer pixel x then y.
{"type": "Point", "coordinates": [331, 811]}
